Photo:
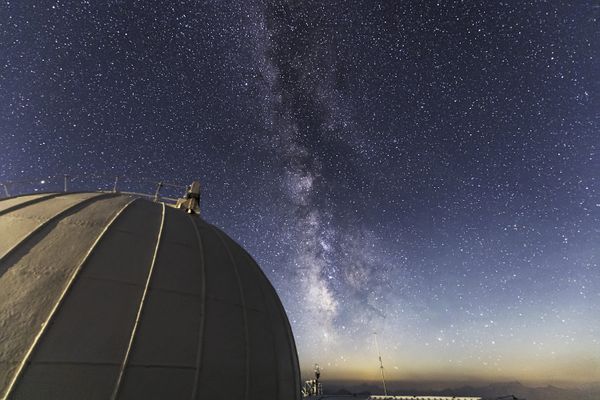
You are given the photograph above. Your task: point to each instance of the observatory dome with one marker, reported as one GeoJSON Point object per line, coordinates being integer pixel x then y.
{"type": "Point", "coordinates": [112, 296]}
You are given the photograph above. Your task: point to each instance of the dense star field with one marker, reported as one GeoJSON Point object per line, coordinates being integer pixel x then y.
{"type": "Point", "coordinates": [429, 171]}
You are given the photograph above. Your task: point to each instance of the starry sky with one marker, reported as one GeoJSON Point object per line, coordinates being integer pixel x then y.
{"type": "Point", "coordinates": [425, 170]}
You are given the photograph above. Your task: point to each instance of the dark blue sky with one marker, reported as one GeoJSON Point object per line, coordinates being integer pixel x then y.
{"type": "Point", "coordinates": [429, 171]}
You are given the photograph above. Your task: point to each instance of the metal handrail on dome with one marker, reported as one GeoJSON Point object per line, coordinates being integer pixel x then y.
{"type": "Point", "coordinates": [8, 186]}
{"type": "Point", "coordinates": [189, 201]}
{"type": "Point", "coordinates": [149, 196]}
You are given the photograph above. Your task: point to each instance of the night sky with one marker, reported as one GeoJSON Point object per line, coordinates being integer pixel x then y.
{"type": "Point", "coordinates": [426, 170]}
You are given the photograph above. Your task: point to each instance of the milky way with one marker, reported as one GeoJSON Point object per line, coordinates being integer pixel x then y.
{"type": "Point", "coordinates": [428, 172]}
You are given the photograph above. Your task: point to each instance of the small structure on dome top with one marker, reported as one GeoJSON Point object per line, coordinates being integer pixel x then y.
{"type": "Point", "coordinates": [191, 201]}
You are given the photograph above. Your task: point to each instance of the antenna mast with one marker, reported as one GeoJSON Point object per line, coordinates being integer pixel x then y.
{"type": "Point", "coordinates": [380, 364]}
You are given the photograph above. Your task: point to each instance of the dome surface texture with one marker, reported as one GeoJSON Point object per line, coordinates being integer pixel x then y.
{"type": "Point", "coordinates": [111, 296]}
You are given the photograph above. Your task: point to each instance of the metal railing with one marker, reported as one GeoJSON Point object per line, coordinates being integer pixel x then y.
{"type": "Point", "coordinates": [149, 188]}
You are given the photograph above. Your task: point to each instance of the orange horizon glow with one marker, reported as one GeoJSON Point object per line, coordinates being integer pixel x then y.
{"type": "Point", "coordinates": [567, 371]}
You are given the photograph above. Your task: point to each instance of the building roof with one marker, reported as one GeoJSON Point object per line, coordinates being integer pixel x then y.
{"type": "Point", "coordinates": [111, 296]}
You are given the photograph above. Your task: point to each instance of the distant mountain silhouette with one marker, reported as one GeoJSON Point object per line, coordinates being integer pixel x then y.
{"type": "Point", "coordinates": [495, 390]}
{"type": "Point", "coordinates": [491, 391]}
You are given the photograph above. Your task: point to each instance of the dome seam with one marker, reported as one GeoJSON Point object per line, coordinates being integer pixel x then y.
{"type": "Point", "coordinates": [138, 317]}
{"type": "Point", "coordinates": [199, 350]}
{"type": "Point", "coordinates": [54, 218]}
{"type": "Point", "coordinates": [244, 314]}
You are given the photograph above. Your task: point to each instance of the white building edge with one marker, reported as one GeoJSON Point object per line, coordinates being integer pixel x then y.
{"type": "Point", "coordinates": [421, 398]}
{"type": "Point", "coordinates": [382, 397]}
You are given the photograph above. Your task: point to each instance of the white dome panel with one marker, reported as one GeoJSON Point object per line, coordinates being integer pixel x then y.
{"type": "Point", "coordinates": [110, 296]}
